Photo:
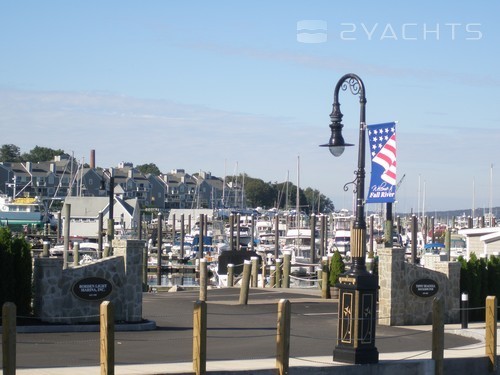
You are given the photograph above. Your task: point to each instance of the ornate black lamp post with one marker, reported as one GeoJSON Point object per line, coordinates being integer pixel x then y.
{"type": "Point", "coordinates": [358, 287]}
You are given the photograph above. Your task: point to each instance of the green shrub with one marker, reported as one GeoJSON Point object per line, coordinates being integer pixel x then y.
{"type": "Point", "coordinates": [337, 268]}
{"type": "Point", "coordinates": [15, 271]}
{"type": "Point", "coordinates": [479, 278]}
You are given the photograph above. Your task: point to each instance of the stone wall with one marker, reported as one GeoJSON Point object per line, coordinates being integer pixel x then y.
{"type": "Point", "coordinates": [54, 298]}
{"type": "Point", "coordinates": [399, 306]}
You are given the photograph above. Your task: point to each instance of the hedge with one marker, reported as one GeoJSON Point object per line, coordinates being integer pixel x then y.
{"type": "Point", "coordinates": [15, 271]}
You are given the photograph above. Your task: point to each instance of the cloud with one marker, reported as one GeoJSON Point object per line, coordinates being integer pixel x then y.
{"type": "Point", "coordinates": [341, 63]}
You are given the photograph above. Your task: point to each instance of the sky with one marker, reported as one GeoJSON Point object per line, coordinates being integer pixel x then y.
{"type": "Point", "coordinates": [233, 87]}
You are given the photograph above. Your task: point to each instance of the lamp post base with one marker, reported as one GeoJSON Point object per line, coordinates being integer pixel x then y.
{"type": "Point", "coordinates": [355, 356]}
{"type": "Point", "coordinates": [357, 319]}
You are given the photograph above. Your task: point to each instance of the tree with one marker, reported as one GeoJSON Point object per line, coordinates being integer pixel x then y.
{"type": "Point", "coordinates": [317, 201]}
{"type": "Point", "coordinates": [10, 152]}
{"type": "Point", "coordinates": [259, 193]}
{"type": "Point", "coordinates": [149, 168]}
{"type": "Point", "coordinates": [40, 154]}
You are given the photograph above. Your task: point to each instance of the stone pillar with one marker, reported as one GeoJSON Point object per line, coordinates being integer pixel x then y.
{"type": "Point", "coordinates": [450, 294]}
{"type": "Point", "coordinates": [47, 273]}
{"type": "Point", "coordinates": [131, 250]}
{"type": "Point", "coordinates": [391, 279]}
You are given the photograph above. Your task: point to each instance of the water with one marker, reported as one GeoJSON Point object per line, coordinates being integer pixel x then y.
{"type": "Point", "coordinates": [170, 280]}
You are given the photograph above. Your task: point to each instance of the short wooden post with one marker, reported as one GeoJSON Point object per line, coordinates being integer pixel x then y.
{"type": "Point", "coordinates": [272, 276]}
{"type": "Point", "coordinates": [325, 282]}
{"type": "Point", "coordinates": [278, 273]}
{"type": "Point", "coordinates": [287, 258]}
{"type": "Point", "coordinates": [230, 275]}
{"type": "Point", "coordinates": [76, 255]}
{"type": "Point", "coordinates": [491, 332]}
{"type": "Point", "coordinates": [245, 283]}
{"type": "Point", "coordinates": [438, 335]}
{"type": "Point", "coordinates": [255, 271]}
{"type": "Point", "coordinates": [200, 338]}
{"type": "Point", "coordinates": [320, 278]}
{"type": "Point", "coordinates": [283, 337]}
{"type": "Point", "coordinates": [9, 338]}
{"type": "Point", "coordinates": [203, 279]}
{"type": "Point", "coordinates": [107, 320]}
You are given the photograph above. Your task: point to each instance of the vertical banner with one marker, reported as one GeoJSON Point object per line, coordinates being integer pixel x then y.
{"type": "Point", "coordinates": [382, 139]}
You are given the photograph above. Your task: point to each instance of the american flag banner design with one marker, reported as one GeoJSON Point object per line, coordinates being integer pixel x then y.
{"type": "Point", "coordinates": [382, 139]}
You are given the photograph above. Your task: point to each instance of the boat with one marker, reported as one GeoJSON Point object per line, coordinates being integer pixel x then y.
{"type": "Point", "coordinates": [266, 246]}
{"type": "Point", "coordinates": [21, 212]}
{"type": "Point", "coordinates": [298, 243]}
{"type": "Point", "coordinates": [243, 235]}
{"type": "Point", "coordinates": [458, 247]}
{"type": "Point", "coordinates": [87, 251]}
{"type": "Point", "coordinates": [342, 242]}
{"type": "Point", "coordinates": [342, 232]}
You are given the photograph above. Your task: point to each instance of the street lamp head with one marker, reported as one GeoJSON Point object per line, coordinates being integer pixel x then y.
{"type": "Point", "coordinates": [336, 144]}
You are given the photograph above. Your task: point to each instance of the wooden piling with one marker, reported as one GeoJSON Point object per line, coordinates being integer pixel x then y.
{"type": "Point", "coordinates": [278, 273]}
{"type": "Point", "coordinates": [230, 275]}
{"type": "Point", "coordinates": [158, 247]}
{"type": "Point", "coordinates": [203, 279]}
{"type": "Point", "coordinates": [67, 219]}
{"type": "Point", "coordinates": [313, 238]}
{"type": "Point", "coordinates": [99, 234]}
{"type": "Point", "coordinates": [287, 257]}
{"type": "Point", "coordinates": [272, 277]}
{"type": "Point", "coordinates": [325, 279]}
{"type": "Point", "coordinates": [491, 332]}
{"type": "Point", "coordinates": [245, 283]}
{"type": "Point", "coordinates": [76, 254]}
{"type": "Point", "coordinates": [283, 337]}
{"type": "Point", "coordinates": [107, 337]}
{"type": "Point", "coordinates": [438, 335]}
{"type": "Point", "coordinates": [264, 273]}
{"type": "Point", "coordinates": [183, 235]}
{"type": "Point", "coordinates": [200, 338]}
{"type": "Point", "coordinates": [255, 272]}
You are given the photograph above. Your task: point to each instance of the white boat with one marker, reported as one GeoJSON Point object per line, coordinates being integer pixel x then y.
{"type": "Point", "coordinates": [244, 234]}
{"type": "Point", "coordinates": [342, 232]}
{"type": "Point", "coordinates": [87, 251]}
{"type": "Point", "coordinates": [342, 241]}
{"type": "Point", "coordinates": [20, 211]}
{"type": "Point", "coordinates": [266, 246]}
{"type": "Point", "coordinates": [298, 243]}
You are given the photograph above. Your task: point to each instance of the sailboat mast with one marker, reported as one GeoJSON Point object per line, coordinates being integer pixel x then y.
{"type": "Point", "coordinates": [491, 195]}
{"type": "Point", "coordinates": [297, 198]}
{"type": "Point", "coordinates": [286, 190]}
{"type": "Point", "coordinates": [224, 186]}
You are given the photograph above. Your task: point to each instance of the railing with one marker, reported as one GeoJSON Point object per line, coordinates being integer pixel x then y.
{"type": "Point", "coordinates": [284, 336]}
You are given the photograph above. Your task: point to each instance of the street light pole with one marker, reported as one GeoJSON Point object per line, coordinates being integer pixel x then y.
{"type": "Point", "coordinates": [358, 287]}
